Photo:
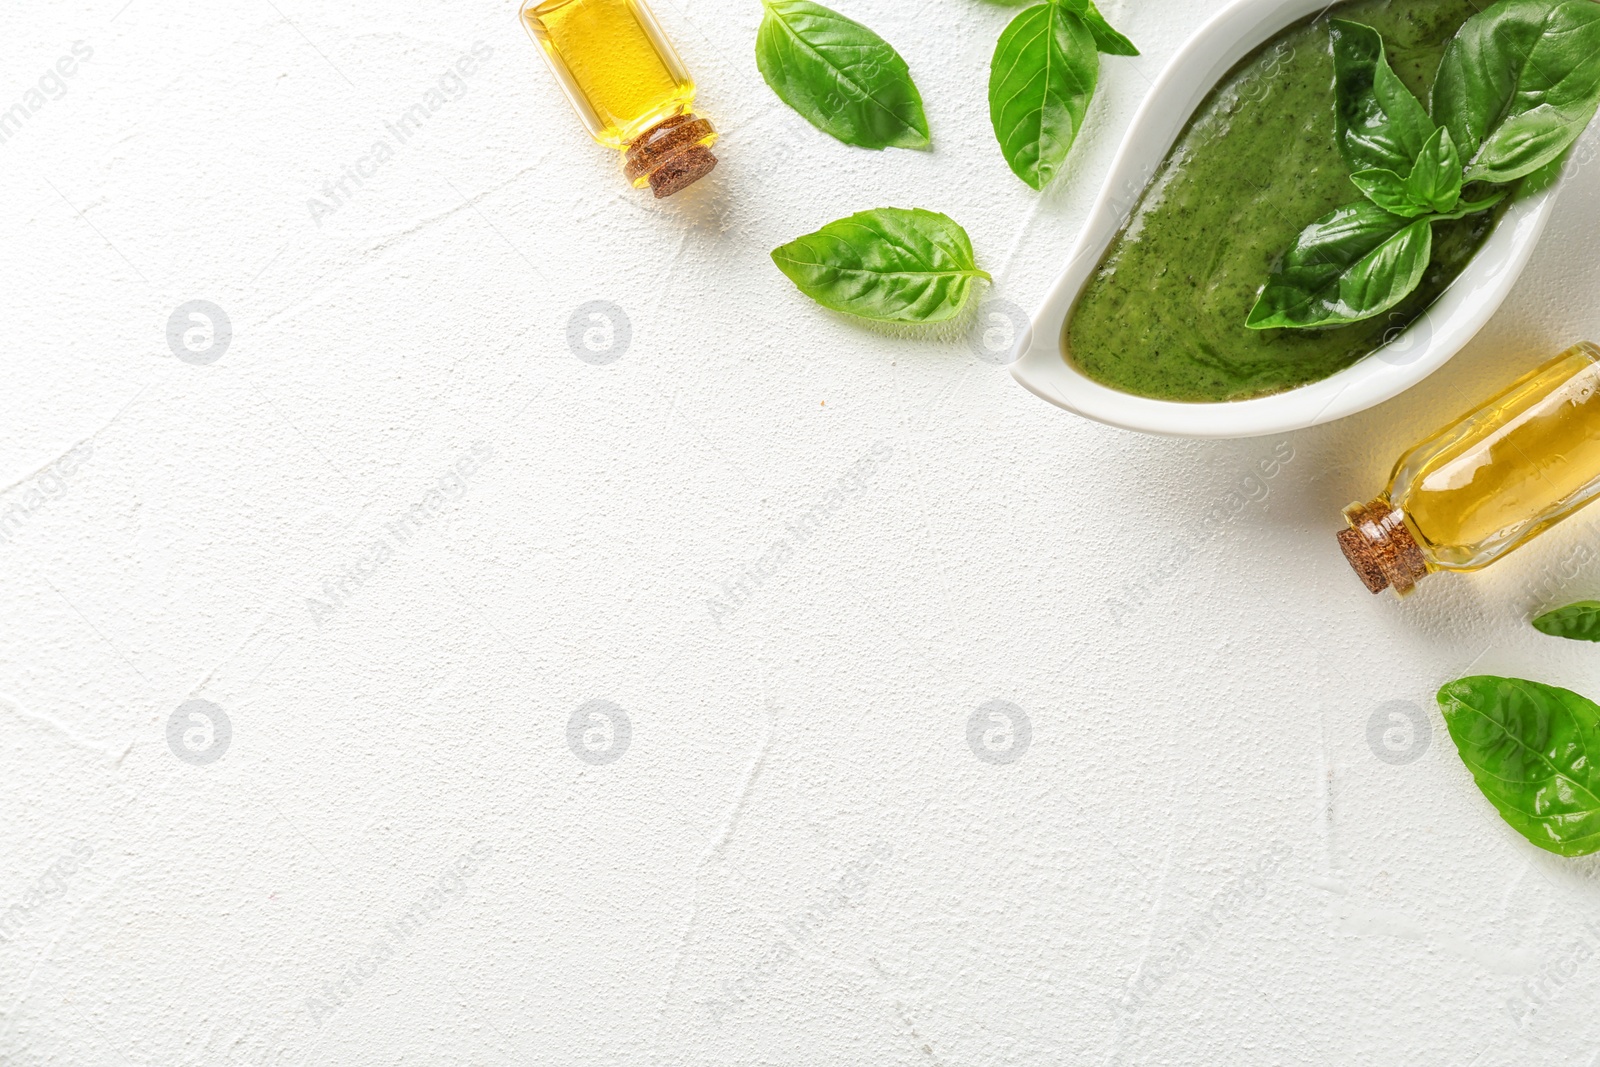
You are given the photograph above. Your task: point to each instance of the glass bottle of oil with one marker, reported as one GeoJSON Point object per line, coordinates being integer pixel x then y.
{"type": "Point", "coordinates": [1489, 482]}
{"type": "Point", "coordinates": [628, 85]}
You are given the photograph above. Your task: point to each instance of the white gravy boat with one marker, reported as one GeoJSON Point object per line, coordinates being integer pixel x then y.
{"type": "Point", "coordinates": [1411, 356]}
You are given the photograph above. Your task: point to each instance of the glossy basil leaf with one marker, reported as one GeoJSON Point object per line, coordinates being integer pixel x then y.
{"type": "Point", "coordinates": [1106, 39]}
{"type": "Point", "coordinates": [1525, 143]}
{"type": "Point", "coordinates": [1041, 80]}
{"type": "Point", "coordinates": [1577, 622]}
{"type": "Point", "coordinates": [1435, 181]}
{"type": "Point", "coordinates": [1386, 275]}
{"type": "Point", "coordinates": [1534, 751]}
{"type": "Point", "coordinates": [839, 75]}
{"type": "Point", "coordinates": [1381, 125]}
{"type": "Point", "coordinates": [1518, 84]}
{"type": "Point", "coordinates": [892, 264]}
{"type": "Point", "coordinates": [1389, 191]}
{"type": "Point", "coordinates": [1349, 265]}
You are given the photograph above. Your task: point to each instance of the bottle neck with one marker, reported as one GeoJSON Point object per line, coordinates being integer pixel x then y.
{"type": "Point", "coordinates": [672, 154]}
{"type": "Point", "coordinates": [1380, 547]}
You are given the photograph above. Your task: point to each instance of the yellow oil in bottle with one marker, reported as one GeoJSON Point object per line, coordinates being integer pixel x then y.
{"type": "Point", "coordinates": [1523, 461]}
{"type": "Point", "coordinates": [628, 85]}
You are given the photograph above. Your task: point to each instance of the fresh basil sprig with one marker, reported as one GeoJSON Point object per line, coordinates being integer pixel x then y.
{"type": "Point", "coordinates": [1041, 80]}
{"type": "Point", "coordinates": [1534, 751]}
{"type": "Point", "coordinates": [1577, 622]}
{"type": "Point", "coordinates": [840, 76]}
{"type": "Point", "coordinates": [891, 264]}
{"type": "Point", "coordinates": [1516, 86]}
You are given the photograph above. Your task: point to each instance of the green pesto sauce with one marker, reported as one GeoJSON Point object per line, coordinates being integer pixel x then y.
{"type": "Point", "coordinates": [1164, 314]}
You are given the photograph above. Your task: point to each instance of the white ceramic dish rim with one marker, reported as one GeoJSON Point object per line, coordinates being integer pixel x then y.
{"type": "Point", "coordinates": [1411, 356]}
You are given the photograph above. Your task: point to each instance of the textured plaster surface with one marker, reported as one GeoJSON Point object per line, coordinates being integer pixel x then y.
{"type": "Point", "coordinates": [403, 538]}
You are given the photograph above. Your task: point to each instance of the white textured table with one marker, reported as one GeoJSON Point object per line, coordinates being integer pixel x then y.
{"type": "Point", "coordinates": [402, 538]}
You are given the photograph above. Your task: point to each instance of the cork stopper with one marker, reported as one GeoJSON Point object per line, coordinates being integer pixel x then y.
{"type": "Point", "coordinates": [672, 155]}
{"type": "Point", "coordinates": [1380, 547]}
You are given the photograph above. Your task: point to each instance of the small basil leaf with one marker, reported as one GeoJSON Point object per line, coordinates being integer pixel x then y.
{"type": "Point", "coordinates": [1041, 80]}
{"type": "Point", "coordinates": [892, 264]}
{"type": "Point", "coordinates": [1106, 39]}
{"type": "Point", "coordinates": [1435, 181]}
{"type": "Point", "coordinates": [1534, 751]}
{"type": "Point", "coordinates": [1381, 125]}
{"type": "Point", "coordinates": [1349, 265]}
{"type": "Point", "coordinates": [1577, 622]}
{"type": "Point", "coordinates": [840, 76]}
{"type": "Point", "coordinates": [1389, 191]}
{"type": "Point", "coordinates": [1518, 84]}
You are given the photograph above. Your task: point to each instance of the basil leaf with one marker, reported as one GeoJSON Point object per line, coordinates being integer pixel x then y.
{"type": "Point", "coordinates": [1380, 124]}
{"type": "Point", "coordinates": [1386, 275]}
{"type": "Point", "coordinates": [1041, 80]}
{"type": "Point", "coordinates": [1534, 750]}
{"type": "Point", "coordinates": [1106, 39]}
{"type": "Point", "coordinates": [892, 264]}
{"type": "Point", "coordinates": [1389, 191]}
{"type": "Point", "coordinates": [1518, 84]}
{"type": "Point", "coordinates": [840, 76]}
{"type": "Point", "coordinates": [1525, 143]}
{"type": "Point", "coordinates": [1435, 182]}
{"type": "Point", "coordinates": [1577, 622]}
{"type": "Point", "coordinates": [1349, 265]}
